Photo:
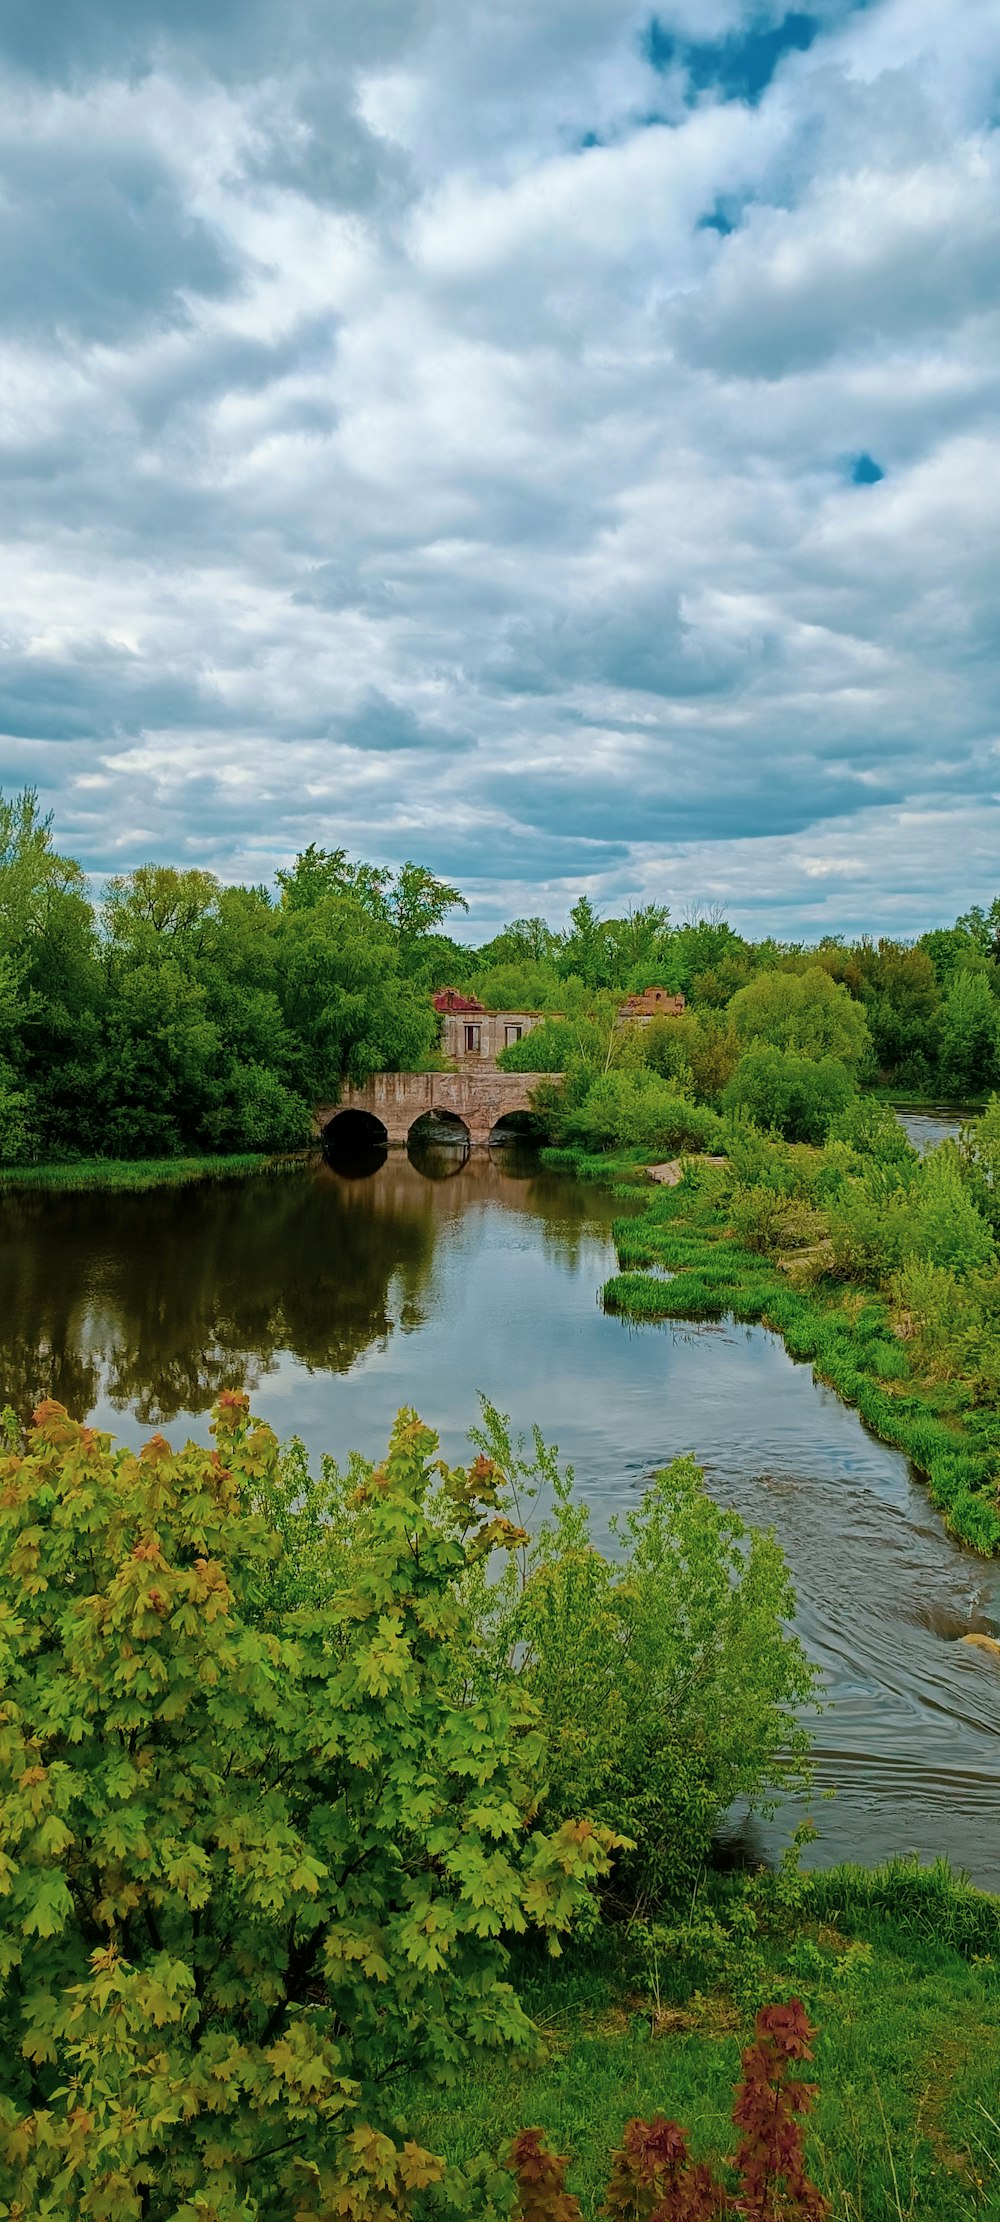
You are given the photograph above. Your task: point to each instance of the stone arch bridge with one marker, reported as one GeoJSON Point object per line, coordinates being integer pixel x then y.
{"type": "Point", "coordinates": [396, 1100]}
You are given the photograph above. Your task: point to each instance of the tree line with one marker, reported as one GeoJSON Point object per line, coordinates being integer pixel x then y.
{"type": "Point", "coordinates": [176, 1014]}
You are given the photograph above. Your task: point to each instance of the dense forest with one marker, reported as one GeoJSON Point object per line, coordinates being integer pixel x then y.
{"type": "Point", "coordinates": [177, 1014]}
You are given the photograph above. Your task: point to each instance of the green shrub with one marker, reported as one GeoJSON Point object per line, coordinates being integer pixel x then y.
{"type": "Point", "coordinates": [260, 1114]}
{"type": "Point", "coordinates": [550, 1047]}
{"type": "Point", "coordinates": [979, 1151]}
{"type": "Point", "coordinates": [763, 1219]}
{"type": "Point", "coordinates": [697, 1048]}
{"type": "Point", "coordinates": [634, 1108]}
{"type": "Point", "coordinates": [873, 1130]}
{"type": "Point", "coordinates": [259, 1844]}
{"type": "Point", "coordinates": [947, 1227]}
{"type": "Point", "coordinates": [666, 1678]}
{"type": "Point", "coordinates": [16, 1129]}
{"type": "Point", "coordinates": [794, 1096]}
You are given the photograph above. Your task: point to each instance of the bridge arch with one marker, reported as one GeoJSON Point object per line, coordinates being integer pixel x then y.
{"type": "Point", "coordinates": [439, 1125]}
{"type": "Point", "coordinates": [525, 1127]}
{"type": "Point", "coordinates": [353, 1134]}
{"type": "Point", "coordinates": [481, 1100]}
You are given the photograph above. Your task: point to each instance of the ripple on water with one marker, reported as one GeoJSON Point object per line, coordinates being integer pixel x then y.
{"type": "Point", "coordinates": [342, 1299]}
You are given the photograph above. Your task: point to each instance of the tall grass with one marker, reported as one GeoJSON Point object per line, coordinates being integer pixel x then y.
{"type": "Point", "coordinates": [141, 1173]}
{"type": "Point", "coordinates": [845, 1335]}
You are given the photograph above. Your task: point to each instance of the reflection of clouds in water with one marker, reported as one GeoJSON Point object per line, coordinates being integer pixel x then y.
{"type": "Point", "coordinates": [343, 1300]}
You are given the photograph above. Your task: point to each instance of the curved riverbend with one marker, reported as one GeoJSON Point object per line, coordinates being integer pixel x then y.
{"type": "Point", "coordinates": [343, 1296]}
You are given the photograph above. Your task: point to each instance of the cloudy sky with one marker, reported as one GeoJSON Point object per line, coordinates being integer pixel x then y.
{"type": "Point", "coordinates": [554, 441]}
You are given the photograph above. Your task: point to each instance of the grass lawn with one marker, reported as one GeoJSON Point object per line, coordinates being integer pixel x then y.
{"type": "Point", "coordinates": [907, 2120]}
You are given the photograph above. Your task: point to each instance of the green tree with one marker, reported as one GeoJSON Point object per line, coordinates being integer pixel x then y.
{"type": "Point", "coordinates": [344, 1000]}
{"type": "Point", "coordinates": [260, 1848]}
{"type": "Point", "coordinates": [640, 948]}
{"type": "Point", "coordinates": [707, 943]}
{"type": "Point", "coordinates": [970, 1035]}
{"type": "Point", "coordinates": [807, 1012]}
{"type": "Point", "coordinates": [585, 949]}
{"type": "Point", "coordinates": [524, 941]}
{"type": "Point", "coordinates": [156, 904]}
{"type": "Point", "coordinates": [798, 1097]}
{"type": "Point", "coordinates": [668, 1677]}
{"type": "Point", "coordinates": [901, 996]}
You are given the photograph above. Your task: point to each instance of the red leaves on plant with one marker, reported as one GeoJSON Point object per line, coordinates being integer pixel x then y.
{"type": "Point", "coordinates": [541, 2181]}
{"type": "Point", "coordinates": [156, 1452]}
{"type": "Point", "coordinates": [233, 1401]}
{"type": "Point", "coordinates": [654, 2179]}
{"type": "Point", "coordinates": [48, 1410]}
{"type": "Point", "coordinates": [769, 2101]}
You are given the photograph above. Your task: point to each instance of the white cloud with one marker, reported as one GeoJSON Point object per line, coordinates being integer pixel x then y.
{"type": "Point", "coordinates": [423, 446]}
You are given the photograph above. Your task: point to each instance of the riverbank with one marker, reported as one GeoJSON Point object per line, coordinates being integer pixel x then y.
{"type": "Point", "coordinates": [681, 1259]}
{"type": "Point", "coordinates": [898, 1970]}
{"type": "Point", "coordinates": [138, 1174]}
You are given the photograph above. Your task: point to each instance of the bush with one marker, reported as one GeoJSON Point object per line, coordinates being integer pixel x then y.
{"type": "Point", "coordinates": [258, 1845]}
{"type": "Point", "coordinates": [551, 1047]}
{"type": "Point", "coordinates": [16, 1134]}
{"type": "Point", "coordinates": [947, 1227]}
{"type": "Point", "coordinates": [763, 1219]}
{"type": "Point", "coordinates": [697, 1048]}
{"type": "Point", "coordinates": [260, 1114]}
{"type": "Point", "coordinates": [634, 1109]}
{"type": "Point", "coordinates": [873, 1130]}
{"type": "Point", "coordinates": [979, 1152]}
{"type": "Point", "coordinates": [791, 1095]}
{"type": "Point", "coordinates": [871, 1225]}
{"type": "Point", "coordinates": [666, 1679]}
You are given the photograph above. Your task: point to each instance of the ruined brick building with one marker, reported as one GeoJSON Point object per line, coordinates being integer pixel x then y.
{"type": "Point", "coordinates": [473, 1036]}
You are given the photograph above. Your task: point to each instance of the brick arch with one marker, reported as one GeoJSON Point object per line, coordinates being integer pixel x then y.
{"type": "Point", "coordinates": [399, 1099]}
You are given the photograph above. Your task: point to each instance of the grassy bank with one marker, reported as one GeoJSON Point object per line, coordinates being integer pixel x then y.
{"type": "Point", "coordinates": [141, 1173]}
{"type": "Point", "coordinates": [899, 1970]}
{"type": "Point", "coordinates": [700, 1271]}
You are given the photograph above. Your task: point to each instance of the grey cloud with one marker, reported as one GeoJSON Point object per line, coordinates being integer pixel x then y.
{"type": "Point", "coordinates": [95, 241]}
{"type": "Point", "coordinates": [375, 469]}
{"type": "Point", "coordinates": [64, 40]}
{"type": "Point", "coordinates": [97, 694]}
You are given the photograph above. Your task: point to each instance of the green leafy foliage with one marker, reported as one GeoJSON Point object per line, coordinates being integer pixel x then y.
{"type": "Point", "coordinates": [633, 1108]}
{"type": "Point", "coordinates": [260, 1846]}
{"type": "Point", "coordinates": [667, 1677]}
{"type": "Point", "coordinates": [969, 1035]}
{"type": "Point", "coordinates": [796, 1096]}
{"type": "Point", "coordinates": [808, 1013]}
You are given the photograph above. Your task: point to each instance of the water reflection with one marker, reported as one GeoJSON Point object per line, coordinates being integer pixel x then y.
{"type": "Point", "coordinates": [153, 1303]}
{"type": "Point", "coordinates": [343, 1294]}
{"type": "Point", "coordinates": [930, 1123]}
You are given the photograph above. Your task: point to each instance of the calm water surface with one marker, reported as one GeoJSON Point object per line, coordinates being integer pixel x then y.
{"type": "Point", "coordinates": [340, 1298]}
{"type": "Point", "coordinates": [930, 1123]}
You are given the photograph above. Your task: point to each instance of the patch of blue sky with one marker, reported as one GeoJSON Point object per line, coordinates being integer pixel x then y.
{"type": "Point", "coordinates": [739, 66]}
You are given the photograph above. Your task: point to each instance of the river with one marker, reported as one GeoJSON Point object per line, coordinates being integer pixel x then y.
{"type": "Point", "coordinates": [339, 1296]}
